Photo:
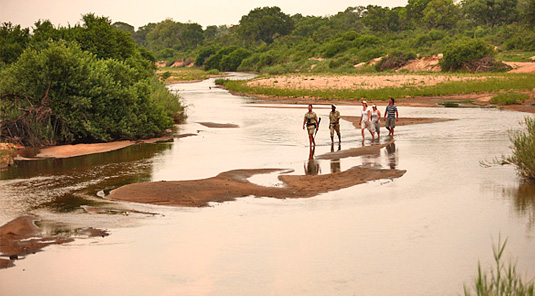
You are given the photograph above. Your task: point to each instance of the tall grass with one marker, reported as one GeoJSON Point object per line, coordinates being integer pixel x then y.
{"type": "Point", "coordinates": [503, 280]}
{"type": "Point", "coordinates": [509, 98]}
{"type": "Point", "coordinates": [491, 84]}
{"type": "Point", "coordinates": [523, 149]}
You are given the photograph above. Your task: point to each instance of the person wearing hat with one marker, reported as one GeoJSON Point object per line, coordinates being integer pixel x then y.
{"type": "Point", "coordinates": [365, 120]}
{"type": "Point", "coordinates": [311, 122]}
{"type": "Point", "coordinates": [334, 118]}
{"type": "Point", "coordinates": [376, 120]}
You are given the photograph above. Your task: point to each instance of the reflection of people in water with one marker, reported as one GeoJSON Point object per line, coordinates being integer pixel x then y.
{"type": "Point", "coordinates": [392, 157]}
{"type": "Point", "coordinates": [311, 122]}
{"type": "Point", "coordinates": [312, 167]}
{"type": "Point", "coordinates": [335, 163]}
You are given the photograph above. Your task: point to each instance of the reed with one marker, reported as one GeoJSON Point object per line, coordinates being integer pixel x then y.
{"type": "Point", "coordinates": [502, 280]}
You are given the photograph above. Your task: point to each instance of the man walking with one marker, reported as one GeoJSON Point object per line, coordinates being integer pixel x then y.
{"type": "Point", "coordinates": [334, 118]}
{"type": "Point", "coordinates": [391, 117]}
{"type": "Point", "coordinates": [311, 122]}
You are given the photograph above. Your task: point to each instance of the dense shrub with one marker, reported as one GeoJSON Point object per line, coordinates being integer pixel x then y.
{"type": "Point", "coordinates": [215, 60]}
{"type": "Point", "coordinates": [232, 61]}
{"type": "Point", "coordinates": [204, 54]}
{"type": "Point", "coordinates": [63, 95]}
{"type": "Point", "coordinates": [524, 149]}
{"type": "Point", "coordinates": [462, 54]}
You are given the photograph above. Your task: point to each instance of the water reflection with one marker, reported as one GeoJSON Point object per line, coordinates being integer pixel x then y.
{"type": "Point", "coordinates": [524, 201]}
{"type": "Point", "coordinates": [312, 166]}
{"type": "Point", "coordinates": [65, 184]}
{"type": "Point", "coordinates": [335, 163]}
{"type": "Point", "coordinates": [392, 155]}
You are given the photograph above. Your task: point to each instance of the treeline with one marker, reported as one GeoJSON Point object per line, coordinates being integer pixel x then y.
{"type": "Point", "coordinates": [268, 40]}
{"type": "Point", "coordinates": [86, 83]}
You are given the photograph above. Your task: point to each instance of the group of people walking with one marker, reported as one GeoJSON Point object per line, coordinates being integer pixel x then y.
{"type": "Point", "coordinates": [369, 119]}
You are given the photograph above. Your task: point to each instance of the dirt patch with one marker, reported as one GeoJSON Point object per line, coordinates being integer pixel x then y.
{"type": "Point", "coordinates": [22, 237]}
{"type": "Point", "coordinates": [361, 81]}
{"type": "Point", "coordinates": [425, 64]}
{"type": "Point", "coordinates": [522, 67]}
{"type": "Point", "coordinates": [233, 184]}
{"type": "Point", "coordinates": [218, 125]}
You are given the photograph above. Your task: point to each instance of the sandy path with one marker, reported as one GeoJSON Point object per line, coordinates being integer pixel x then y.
{"type": "Point", "coordinates": [522, 67]}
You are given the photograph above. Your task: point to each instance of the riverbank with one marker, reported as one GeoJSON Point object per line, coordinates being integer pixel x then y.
{"type": "Point", "coordinates": [414, 90]}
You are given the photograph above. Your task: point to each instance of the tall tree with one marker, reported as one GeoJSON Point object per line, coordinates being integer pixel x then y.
{"type": "Point", "coordinates": [441, 14]}
{"type": "Point", "coordinates": [13, 41]}
{"type": "Point", "coordinates": [265, 24]}
{"type": "Point", "coordinates": [490, 12]}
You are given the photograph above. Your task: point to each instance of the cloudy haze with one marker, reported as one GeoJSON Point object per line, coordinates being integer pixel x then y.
{"type": "Point", "coordinates": [141, 12]}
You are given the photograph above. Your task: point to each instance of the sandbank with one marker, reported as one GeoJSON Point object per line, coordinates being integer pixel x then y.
{"type": "Point", "coordinates": [218, 125]}
{"type": "Point", "coordinates": [22, 237]}
{"type": "Point", "coordinates": [233, 184]}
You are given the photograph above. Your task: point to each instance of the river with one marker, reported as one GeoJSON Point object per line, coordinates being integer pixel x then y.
{"type": "Point", "coordinates": [421, 234]}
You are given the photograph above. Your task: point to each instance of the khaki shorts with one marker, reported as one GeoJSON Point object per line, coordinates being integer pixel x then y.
{"type": "Point", "coordinates": [377, 126]}
{"type": "Point", "coordinates": [311, 129]}
{"type": "Point", "coordinates": [390, 122]}
{"type": "Point", "coordinates": [333, 128]}
{"type": "Point", "coordinates": [364, 124]}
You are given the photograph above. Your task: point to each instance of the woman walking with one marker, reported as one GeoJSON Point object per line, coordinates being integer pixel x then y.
{"type": "Point", "coordinates": [376, 120]}
{"type": "Point", "coordinates": [365, 120]}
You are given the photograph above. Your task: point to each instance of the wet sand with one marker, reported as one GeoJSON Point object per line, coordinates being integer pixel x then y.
{"type": "Point", "coordinates": [218, 125]}
{"type": "Point", "coordinates": [401, 121]}
{"type": "Point", "coordinates": [230, 185]}
{"type": "Point", "coordinates": [66, 151]}
{"type": "Point", "coordinates": [22, 237]}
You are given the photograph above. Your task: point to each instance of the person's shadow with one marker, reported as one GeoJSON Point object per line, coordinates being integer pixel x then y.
{"type": "Point", "coordinates": [312, 167]}
{"type": "Point", "coordinates": [335, 163]}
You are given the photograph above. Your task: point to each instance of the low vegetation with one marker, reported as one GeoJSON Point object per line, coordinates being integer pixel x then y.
{"type": "Point", "coordinates": [170, 75]}
{"type": "Point", "coordinates": [509, 98]}
{"type": "Point", "coordinates": [503, 280]}
{"type": "Point", "coordinates": [490, 84]}
{"type": "Point", "coordinates": [523, 150]}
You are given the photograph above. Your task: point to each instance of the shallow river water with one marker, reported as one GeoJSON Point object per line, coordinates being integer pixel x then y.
{"type": "Point", "coordinates": [421, 234]}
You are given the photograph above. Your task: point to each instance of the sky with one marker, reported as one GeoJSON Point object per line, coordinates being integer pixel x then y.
{"type": "Point", "coordinates": [141, 12]}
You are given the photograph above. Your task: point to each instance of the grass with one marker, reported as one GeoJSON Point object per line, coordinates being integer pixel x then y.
{"type": "Point", "coordinates": [169, 74]}
{"type": "Point", "coordinates": [493, 83]}
{"type": "Point", "coordinates": [515, 56]}
{"type": "Point", "coordinates": [523, 149]}
{"type": "Point", "coordinates": [503, 280]}
{"type": "Point", "coordinates": [509, 98]}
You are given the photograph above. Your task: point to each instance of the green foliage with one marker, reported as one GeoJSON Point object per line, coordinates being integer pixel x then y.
{"type": "Point", "coordinates": [13, 41]}
{"type": "Point", "coordinates": [509, 98]}
{"type": "Point", "coordinates": [459, 54]}
{"type": "Point", "coordinates": [64, 95]}
{"type": "Point", "coordinates": [204, 54]}
{"type": "Point", "coordinates": [523, 150]}
{"type": "Point", "coordinates": [503, 280]}
{"type": "Point", "coordinates": [490, 12]}
{"type": "Point", "coordinates": [265, 24]}
{"type": "Point", "coordinates": [227, 59]}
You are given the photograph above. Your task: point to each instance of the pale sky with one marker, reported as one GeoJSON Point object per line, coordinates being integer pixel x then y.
{"type": "Point", "coordinates": [140, 12]}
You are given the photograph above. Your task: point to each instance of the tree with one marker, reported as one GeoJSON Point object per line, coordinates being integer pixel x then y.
{"type": "Point", "coordinates": [490, 12]}
{"type": "Point", "coordinates": [441, 14]}
{"type": "Point", "coordinates": [265, 24]}
{"type": "Point", "coordinates": [192, 35]}
{"type": "Point", "coordinates": [13, 41]}
{"type": "Point", "coordinates": [415, 11]}
{"type": "Point", "coordinates": [381, 19]}
{"type": "Point", "coordinates": [124, 27]}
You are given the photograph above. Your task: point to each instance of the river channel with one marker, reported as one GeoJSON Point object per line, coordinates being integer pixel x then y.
{"type": "Point", "coordinates": [421, 234]}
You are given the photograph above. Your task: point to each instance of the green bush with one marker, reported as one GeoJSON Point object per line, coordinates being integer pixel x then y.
{"type": "Point", "coordinates": [232, 61]}
{"type": "Point", "coordinates": [509, 98]}
{"type": "Point", "coordinates": [63, 95]}
{"type": "Point", "coordinates": [523, 150]}
{"type": "Point", "coordinates": [460, 55]}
